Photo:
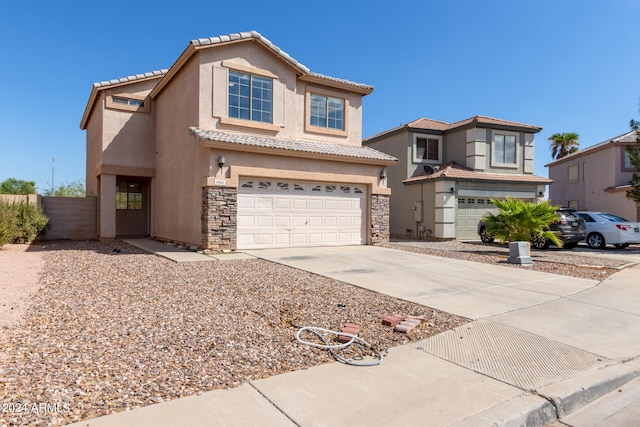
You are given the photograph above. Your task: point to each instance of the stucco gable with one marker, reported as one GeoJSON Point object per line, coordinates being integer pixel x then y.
{"type": "Point", "coordinates": [253, 36]}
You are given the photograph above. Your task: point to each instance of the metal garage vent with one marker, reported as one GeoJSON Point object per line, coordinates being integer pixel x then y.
{"type": "Point", "coordinates": [510, 355]}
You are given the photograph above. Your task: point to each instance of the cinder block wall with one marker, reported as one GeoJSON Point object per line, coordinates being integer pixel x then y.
{"type": "Point", "coordinates": [70, 218]}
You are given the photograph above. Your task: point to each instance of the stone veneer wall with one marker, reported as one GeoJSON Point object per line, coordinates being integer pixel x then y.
{"type": "Point", "coordinates": [219, 217]}
{"type": "Point", "coordinates": [379, 218]}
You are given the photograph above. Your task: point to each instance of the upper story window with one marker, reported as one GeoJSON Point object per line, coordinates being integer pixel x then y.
{"type": "Point", "coordinates": [627, 165]}
{"type": "Point", "coordinates": [573, 173]}
{"type": "Point", "coordinates": [505, 148]}
{"type": "Point", "coordinates": [427, 148]}
{"type": "Point", "coordinates": [250, 97]}
{"type": "Point", "coordinates": [327, 112]}
{"type": "Point", "coordinates": [128, 102]}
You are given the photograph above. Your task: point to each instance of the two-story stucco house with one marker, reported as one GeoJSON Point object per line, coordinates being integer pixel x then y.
{"type": "Point", "coordinates": [596, 178]}
{"type": "Point", "coordinates": [236, 146]}
{"type": "Point", "coordinates": [448, 173]}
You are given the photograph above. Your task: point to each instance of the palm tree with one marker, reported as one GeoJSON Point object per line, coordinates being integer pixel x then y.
{"type": "Point", "coordinates": [563, 144]}
{"type": "Point", "coordinates": [518, 220]}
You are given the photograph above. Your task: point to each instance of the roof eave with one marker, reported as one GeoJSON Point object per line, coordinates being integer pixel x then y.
{"type": "Point", "coordinates": [209, 143]}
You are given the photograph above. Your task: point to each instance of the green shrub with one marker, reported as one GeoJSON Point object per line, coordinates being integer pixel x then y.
{"type": "Point", "coordinates": [21, 222]}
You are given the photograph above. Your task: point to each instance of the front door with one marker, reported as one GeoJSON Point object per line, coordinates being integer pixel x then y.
{"type": "Point", "coordinates": [132, 206]}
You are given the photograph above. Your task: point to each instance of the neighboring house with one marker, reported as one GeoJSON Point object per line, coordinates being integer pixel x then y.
{"type": "Point", "coordinates": [596, 178]}
{"type": "Point", "coordinates": [448, 173]}
{"type": "Point", "coordinates": [236, 146]}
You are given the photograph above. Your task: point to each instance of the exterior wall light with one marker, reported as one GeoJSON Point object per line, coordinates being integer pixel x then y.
{"type": "Point", "coordinates": [383, 173]}
{"type": "Point", "coordinates": [221, 161]}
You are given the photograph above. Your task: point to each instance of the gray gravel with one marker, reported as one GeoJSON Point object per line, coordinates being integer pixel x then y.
{"type": "Point", "coordinates": [110, 331]}
{"type": "Point", "coordinates": [553, 260]}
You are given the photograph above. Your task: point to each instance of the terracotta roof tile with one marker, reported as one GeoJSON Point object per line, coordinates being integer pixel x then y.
{"type": "Point", "coordinates": [292, 145]}
{"type": "Point", "coordinates": [458, 172]}
{"type": "Point", "coordinates": [440, 126]}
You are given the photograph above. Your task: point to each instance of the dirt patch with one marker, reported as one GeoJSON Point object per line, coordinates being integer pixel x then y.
{"type": "Point", "coordinates": [20, 267]}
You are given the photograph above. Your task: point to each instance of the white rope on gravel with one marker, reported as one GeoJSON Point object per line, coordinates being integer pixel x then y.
{"type": "Point", "coordinates": [361, 343]}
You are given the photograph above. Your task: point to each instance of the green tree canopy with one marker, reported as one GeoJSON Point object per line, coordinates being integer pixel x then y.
{"type": "Point", "coordinates": [71, 189]}
{"type": "Point", "coordinates": [563, 144]}
{"type": "Point", "coordinates": [518, 220]}
{"type": "Point", "coordinates": [17, 186]}
{"type": "Point", "coordinates": [634, 158]}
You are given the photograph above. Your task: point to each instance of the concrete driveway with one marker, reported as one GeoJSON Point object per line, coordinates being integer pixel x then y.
{"type": "Point", "coordinates": [469, 289]}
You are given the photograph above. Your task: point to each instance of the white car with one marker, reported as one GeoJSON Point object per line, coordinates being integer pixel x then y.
{"type": "Point", "coordinates": [605, 228]}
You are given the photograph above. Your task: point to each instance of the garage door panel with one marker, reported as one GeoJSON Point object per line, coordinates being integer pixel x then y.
{"type": "Point", "coordinates": [299, 204]}
{"type": "Point", "coordinates": [264, 221]}
{"type": "Point", "coordinates": [283, 221]}
{"type": "Point", "coordinates": [275, 213]}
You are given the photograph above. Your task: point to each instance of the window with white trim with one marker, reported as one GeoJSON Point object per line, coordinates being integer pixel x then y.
{"type": "Point", "coordinates": [505, 148]}
{"type": "Point", "coordinates": [427, 148]}
{"type": "Point", "coordinates": [250, 97]}
{"type": "Point", "coordinates": [326, 112]}
{"type": "Point", "coordinates": [573, 173]}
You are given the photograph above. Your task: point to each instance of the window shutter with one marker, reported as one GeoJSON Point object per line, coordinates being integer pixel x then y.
{"type": "Point", "coordinates": [220, 91]}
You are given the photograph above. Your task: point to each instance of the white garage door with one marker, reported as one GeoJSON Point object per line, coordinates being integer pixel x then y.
{"type": "Point", "coordinates": [280, 214]}
{"type": "Point", "coordinates": [470, 211]}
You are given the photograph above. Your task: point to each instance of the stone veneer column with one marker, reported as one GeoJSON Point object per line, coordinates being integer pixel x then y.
{"type": "Point", "coordinates": [379, 218]}
{"type": "Point", "coordinates": [219, 217]}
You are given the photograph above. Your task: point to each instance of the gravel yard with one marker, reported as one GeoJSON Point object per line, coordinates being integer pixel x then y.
{"type": "Point", "coordinates": [111, 328]}
{"type": "Point", "coordinates": [553, 260]}
{"type": "Point", "coordinates": [107, 327]}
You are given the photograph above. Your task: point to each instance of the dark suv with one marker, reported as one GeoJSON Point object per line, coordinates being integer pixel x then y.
{"type": "Point", "coordinates": [569, 226]}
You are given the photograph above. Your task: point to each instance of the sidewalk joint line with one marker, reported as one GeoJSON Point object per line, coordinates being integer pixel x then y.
{"type": "Point", "coordinates": [273, 403]}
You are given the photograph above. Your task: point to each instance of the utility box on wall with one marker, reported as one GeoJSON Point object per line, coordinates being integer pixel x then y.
{"type": "Point", "coordinates": [417, 211]}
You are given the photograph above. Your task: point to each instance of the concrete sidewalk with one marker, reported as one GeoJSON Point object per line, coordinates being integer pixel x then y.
{"type": "Point", "coordinates": [540, 347]}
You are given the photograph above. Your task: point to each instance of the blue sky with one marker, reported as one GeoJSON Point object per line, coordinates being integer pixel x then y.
{"type": "Point", "coordinates": [564, 65]}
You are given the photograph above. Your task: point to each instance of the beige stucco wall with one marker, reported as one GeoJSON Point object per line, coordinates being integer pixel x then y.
{"type": "Point", "coordinates": [94, 148]}
{"type": "Point", "coordinates": [597, 171]}
{"type": "Point", "coordinates": [181, 164]}
{"type": "Point", "coordinates": [288, 95]}
{"type": "Point", "coordinates": [128, 138]}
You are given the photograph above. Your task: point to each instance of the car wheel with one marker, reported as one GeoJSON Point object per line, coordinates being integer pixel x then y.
{"type": "Point", "coordinates": [570, 245]}
{"type": "Point", "coordinates": [484, 236]}
{"type": "Point", "coordinates": [621, 245]}
{"type": "Point", "coordinates": [540, 242]}
{"type": "Point", "coordinates": [596, 241]}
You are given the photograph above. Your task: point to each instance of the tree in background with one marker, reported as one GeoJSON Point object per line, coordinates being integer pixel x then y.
{"type": "Point", "coordinates": [634, 158]}
{"type": "Point", "coordinates": [563, 144]}
{"type": "Point", "coordinates": [71, 189]}
{"type": "Point", "coordinates": [17, 186]}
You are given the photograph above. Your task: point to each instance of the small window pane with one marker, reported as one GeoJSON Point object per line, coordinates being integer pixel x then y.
{"type": "Point", "coordinates": [316, 188]}
{"type": "Point", "coordinates": [358, 190]}
{"type": "Point", "coordinates": [283, 186]}
{"type": "Point", "coordinates": [345, 189]}
{"type": "Point", "coordinates": [248, 184]}
{"type": "Point", "coordinates": [298, 187]}
{"type": "Point", "coordinates": [264, 185]}
{"type": "Point", "coordinates": [330, 188]}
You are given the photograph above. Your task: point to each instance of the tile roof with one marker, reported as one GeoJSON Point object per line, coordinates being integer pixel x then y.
{"type": "Point", "coordinates": [440, 126]}
{"type": "Point", "coordinates": [254, 35]}
{"type": "Point", "coordinates": [625, 138]}
{"type": "Point", "coordinates": [316, 147]}
{"type": "Point", "coordinates": [458, 172]}
{"type": "Point", "coordinates": [129, 79]}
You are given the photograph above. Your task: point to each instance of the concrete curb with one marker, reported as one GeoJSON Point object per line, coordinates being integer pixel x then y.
{"type": "Point", "coordinates": [574, 393]}
{"type": "Point", "coordinates": [552, 402]}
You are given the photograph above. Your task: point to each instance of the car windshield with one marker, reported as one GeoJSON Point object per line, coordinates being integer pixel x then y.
{"type": "Point", "coordinates": [612, 217]}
